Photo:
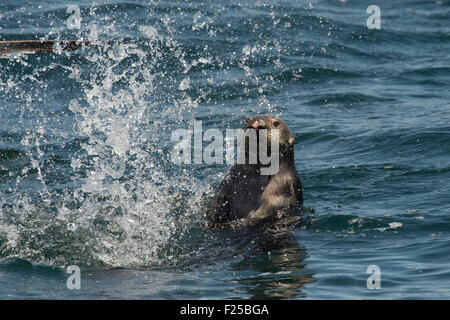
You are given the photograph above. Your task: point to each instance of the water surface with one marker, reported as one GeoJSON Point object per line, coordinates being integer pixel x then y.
{"type": "Point", "coordinates": [85, 171]}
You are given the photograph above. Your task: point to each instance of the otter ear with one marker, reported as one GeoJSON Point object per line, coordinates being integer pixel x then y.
{"type": "Point", "coordinates": [292, 141]}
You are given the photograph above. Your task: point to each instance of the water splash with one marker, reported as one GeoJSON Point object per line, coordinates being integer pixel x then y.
{"type": "Point", "coordinates": [93, 182]}
{"type": "Point", "coordinates": [120, 206]}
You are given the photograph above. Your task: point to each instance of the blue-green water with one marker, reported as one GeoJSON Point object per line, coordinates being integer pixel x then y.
{"type": "Point", "coordinates": [85, 175]}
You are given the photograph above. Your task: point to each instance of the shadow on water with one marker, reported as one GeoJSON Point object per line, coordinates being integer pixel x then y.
{"type": "Point", "coordinates": [281, 273]}
{"type": "Point", "coordinates": [259, 261]}
{"type": "Point", "coordinates": [274, 268]}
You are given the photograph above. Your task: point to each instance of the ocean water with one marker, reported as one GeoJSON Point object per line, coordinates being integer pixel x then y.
{"type": "Point", "coordinates": [86, 178]}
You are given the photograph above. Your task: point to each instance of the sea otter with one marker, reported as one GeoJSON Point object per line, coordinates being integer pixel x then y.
{"type": "Point", "coordinates": [246, 193]}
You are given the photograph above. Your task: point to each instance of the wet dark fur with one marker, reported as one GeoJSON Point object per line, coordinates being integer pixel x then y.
{"type": "Point", "coordinates": [247, 195]}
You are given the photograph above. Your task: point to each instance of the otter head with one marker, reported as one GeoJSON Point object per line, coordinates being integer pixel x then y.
{"type": "Point", "coordinates": [285, 137]}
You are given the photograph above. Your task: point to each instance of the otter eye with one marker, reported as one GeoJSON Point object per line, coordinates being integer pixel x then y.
{"type": "Point", "coordinates": [276, 123]}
